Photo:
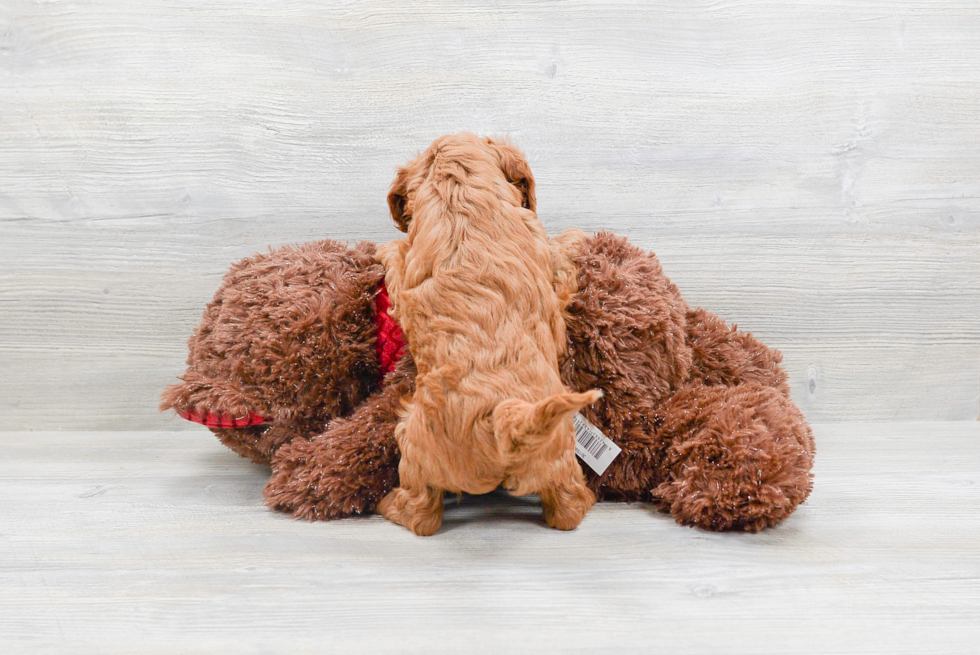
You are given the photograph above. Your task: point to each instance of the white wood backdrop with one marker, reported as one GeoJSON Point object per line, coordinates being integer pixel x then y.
{"type": "Point", "coordinates": [810, 170]}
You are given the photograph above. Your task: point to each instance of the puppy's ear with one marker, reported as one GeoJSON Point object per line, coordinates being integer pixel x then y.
{"type": "Point", "coordinates": [518, 172]}
{"type": "Point", "coordinates": [397, 199]}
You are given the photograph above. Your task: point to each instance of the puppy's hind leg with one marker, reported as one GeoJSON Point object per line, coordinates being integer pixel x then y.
{"type": "Point", "coordinates": [568, 501]}
{"type": "Point", "coordinates": [415, 504]}
{"type": "Point", "coordinates": [418, 509]}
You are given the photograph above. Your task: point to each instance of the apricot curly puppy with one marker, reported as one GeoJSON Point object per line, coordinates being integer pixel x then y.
{"type": "Point", "coordinates": [476, 290]}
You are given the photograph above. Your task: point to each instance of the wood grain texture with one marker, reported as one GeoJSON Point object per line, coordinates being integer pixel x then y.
{"type": "Point", "coordinates": [158, 542]}
{"type": "Point", "coordinates": [807, 170]}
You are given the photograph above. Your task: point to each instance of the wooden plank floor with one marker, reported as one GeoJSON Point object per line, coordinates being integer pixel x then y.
{"type": "Point", "coordinates": [158, 542]}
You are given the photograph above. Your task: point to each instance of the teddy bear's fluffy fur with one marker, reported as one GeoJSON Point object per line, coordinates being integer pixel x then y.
{"type": "Point", "coordinates": [700, 409]}
{"type": "Point", "coordinates": [289, 336]}
{"type": "Point", "coordinates": [472, 286]}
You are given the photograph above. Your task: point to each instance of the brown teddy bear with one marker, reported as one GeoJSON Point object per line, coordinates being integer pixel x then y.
{"type": "Point", "coordinates": [297, 364]}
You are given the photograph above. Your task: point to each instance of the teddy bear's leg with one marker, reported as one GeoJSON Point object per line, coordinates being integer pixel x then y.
{"type": "Point", "coordinates": [415, 504]}
{"type": "Point", "coordinates": [724, 355]}
{"type": "Point", "coordinates": [567, 503]}
{"type": "Point", "coordinates": [739, 457]}
{"type": "Point", "coordinates": [351, 466]}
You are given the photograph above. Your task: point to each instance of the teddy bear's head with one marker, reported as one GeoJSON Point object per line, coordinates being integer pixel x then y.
{"type": "Point", "coordinates": [287, 343]}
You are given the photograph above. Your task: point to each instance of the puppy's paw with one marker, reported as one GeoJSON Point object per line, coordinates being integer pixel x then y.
{"type": "Point", "coordinates": [419, 512]}
{"type": "Point", "coordinates": [565, 508]}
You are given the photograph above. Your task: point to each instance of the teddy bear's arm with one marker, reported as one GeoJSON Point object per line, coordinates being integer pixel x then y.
{"type": "Point", "coordinates": [348, 468]}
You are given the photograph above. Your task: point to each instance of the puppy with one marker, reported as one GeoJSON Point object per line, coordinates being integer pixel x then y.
{"type": "Point", "coordinates": [476, 287]}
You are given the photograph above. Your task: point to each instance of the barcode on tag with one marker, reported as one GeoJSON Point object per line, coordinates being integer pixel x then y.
{"type": "Point", "coordinates": [593, 447]}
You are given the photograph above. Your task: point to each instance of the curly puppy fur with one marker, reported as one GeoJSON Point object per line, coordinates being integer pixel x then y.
{"type": "Point", "coordinates": [700, 409]}
{"type": "Point", "coordinates": [472, 287]}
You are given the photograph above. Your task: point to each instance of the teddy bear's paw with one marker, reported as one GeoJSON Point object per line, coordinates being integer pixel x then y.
{"type": "Point", "coordinates": [330, 477]}
{"type": "Point", "coordinates": [741, 461]}
{"type": "Point", "coordinates": [725, 503]}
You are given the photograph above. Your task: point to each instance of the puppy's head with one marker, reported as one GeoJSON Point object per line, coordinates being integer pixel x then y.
{"type": "Point", "coordinates": [462, 150]}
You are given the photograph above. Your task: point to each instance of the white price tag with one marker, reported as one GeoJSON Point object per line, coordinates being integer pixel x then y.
{"type": "Point", "coordinates": [592, 447]}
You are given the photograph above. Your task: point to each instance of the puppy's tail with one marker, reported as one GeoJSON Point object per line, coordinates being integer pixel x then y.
{"type": "Point", "coordinates": [523, 428]}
